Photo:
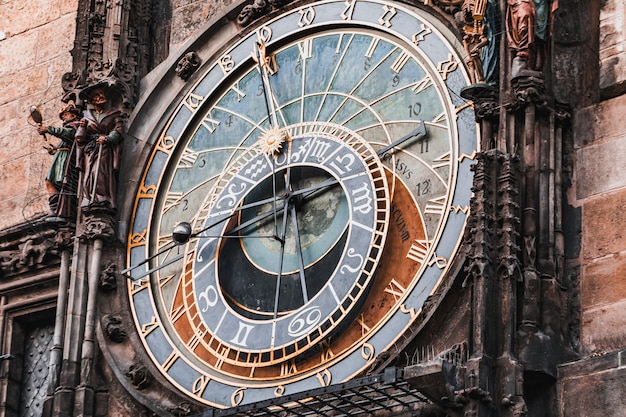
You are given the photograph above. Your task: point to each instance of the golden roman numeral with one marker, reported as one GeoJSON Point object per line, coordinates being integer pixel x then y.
{"type": "Point", "coordinates": [394, 288]}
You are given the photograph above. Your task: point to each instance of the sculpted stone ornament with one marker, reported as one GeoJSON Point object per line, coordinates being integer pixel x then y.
{"type": "Point", "coordinates": [113, 328]}
{"type": "Point", "coordinates": [188, 65]}
{"type": "Point", "coordinates": [108, 277]}
{"type": "Point", "coordinates": [139, 376]}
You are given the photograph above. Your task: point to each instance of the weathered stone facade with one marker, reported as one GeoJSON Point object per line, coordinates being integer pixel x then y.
{"type": "Point", "coordinates": [38, 45]}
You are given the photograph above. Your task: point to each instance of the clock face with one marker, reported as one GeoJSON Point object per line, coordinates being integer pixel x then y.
{"type": "Point", "coordinates": [323, 163]}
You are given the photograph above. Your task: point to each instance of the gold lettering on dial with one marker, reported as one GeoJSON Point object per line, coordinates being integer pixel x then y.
{"type": "Point", "coordinates": [436, 205]}
{"type": "Point", "coordinates": [349, 10]}
{"type": "Point", "coordinates": [441, 161]}
{"type": "Point", "coordinates": [306, 16]}
{"type": "Point", "coordinates": [227, 64]}
{"type": "Point", "coordinates": [170, 360]}
{"type": "Point", "coordinates": [418, 251]}
{"type": "Point", "coordinates": [365, 329]}
{"type": "Point", "coordinates": [447, 66]}
{"type": "Point", "coordinates": [210, 123]}
{"type": "Point", "coordinates": [400, 62]}
{"type": "Point", "coordinates": [177, 313]}
{"type": "Point", "coordinates": [421, 35]}
{"type": "Point", "coordinates": [237, 397]}
{"type": "Point", "coordinates": [279, 391]}
{"type": "Point", "coordinates": [326, 352]}
{"type": "Point", "coordinates": [200, 384]}
{"type": "Point", "coordinates": [370, 50]}
{"type": "Point", "coordinates": [367, 351]}
{"type": "Point", "coordinates": [388, 14]}
{"type": "Point", "coordinates": [325, 377]}
{"type": "Point", "coordinates": [193, 101]}
{"type": "Point", "coordinates": [147, 328]}
{"type": "Point", "coordinates": [395, 289]}
{"type": "Point", "coordinates": [288, 368]}
{"type": "Point", "coordinates": [306, 48]}
{"type": "Point", "coordinates": [422, 84]}
{"type": "Point", "coordinates": [139, 285]}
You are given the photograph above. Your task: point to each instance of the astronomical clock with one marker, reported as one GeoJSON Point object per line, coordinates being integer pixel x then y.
{"type": "Point", "coordinates": [304, 195]}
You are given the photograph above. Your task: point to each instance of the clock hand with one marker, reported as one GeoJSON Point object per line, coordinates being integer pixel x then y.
{"type": "Point", "coordinates": [296, 233]}
{"type": "Point", "coordinates": [281, 257]}
{"type": "Point", "coordinates": [418, 133]}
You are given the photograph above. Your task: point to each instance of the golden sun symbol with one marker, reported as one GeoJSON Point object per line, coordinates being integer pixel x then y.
{"type": "Point", "coordinates": [272, 140]}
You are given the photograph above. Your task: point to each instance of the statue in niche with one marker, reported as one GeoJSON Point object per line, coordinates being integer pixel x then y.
{"type": "Point", "coordinates": [61, 176]}
{"type": "Point", "coordinates": [99, 139]}
{"type": "Point", "coordinates": [528, 25]}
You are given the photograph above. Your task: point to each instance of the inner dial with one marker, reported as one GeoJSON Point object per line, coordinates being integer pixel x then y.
{"type": "Point", "coordinates": [289, 246]}
{"type": "Point", "coordinates": [314, 238]}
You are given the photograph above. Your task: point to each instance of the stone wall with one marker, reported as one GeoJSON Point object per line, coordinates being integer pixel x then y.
{"type": "Point", "coordinates": [595, 385]}
{"type": "Point", "coordinates": [35, 45]}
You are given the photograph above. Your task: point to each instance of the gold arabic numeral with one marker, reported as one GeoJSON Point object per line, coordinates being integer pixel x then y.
{"type": "Point", "coordinates": [368, 351]}
{"type": "Point", "coordinates": [279, 391]}
{"type": "Point", "coordinates": [422, 84]}
{"type": "Point", "coordinates": [395, 289]}
{"type": "Point", "coordinates": [447, 66]}
{"type": "Point", "coordinates": [264, 34]}
{"type": "Point", "coordinates": [325, 377]}
{"type": "Point", "coordinates": [349, 10]}
{"type": "Point", "coordinates": [165, 144]}
{"type": "Point", "coordinates": [169, 362]}
{"type": "Point", "coordinates": [193, 101]}
{"type": "Point", "coordinates": [200, 384]}
{"type": "Point", "coordinates": [388, 13]}
{"type": "Point", "coordinates": [209, 123]}
{"type": "Point", "coordinates": [421, 34]}
{"type": "Point", "coordinates": [288, 368]}
{"type": "Point", "coordinates": [227, 64]}
{"type": "Point", "coordinates": [436, 206]}
{"type": "Point", "coordinates": [306, 17]}
{"type": "Point", "coordinates": [137, 239]}
{"type": "Point", "coordinates": [147, 328]}
{"type": "Point", "coordinates": [139, 285]}
{"type": "Point", "coordinates": [237, 397]}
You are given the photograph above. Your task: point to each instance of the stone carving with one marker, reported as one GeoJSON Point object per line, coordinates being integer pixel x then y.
{"type": "Point", "coordinates": [99, 138]}
{"type": "Point", "coordinates": [188, 65]}
{"type": "Point", "coordinates": [256, 8]}
{"type": "Point", "coordinates": [181, 410]}
{"type": "Point", "coordinates": [99, 226]}
{"type": "Point", "coordinates": [108, 277]}
{"type": "Point", "coordinates": [113, 328]}
{"type": "Point", "coordinates": [139, 376]}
